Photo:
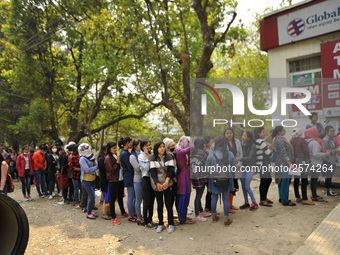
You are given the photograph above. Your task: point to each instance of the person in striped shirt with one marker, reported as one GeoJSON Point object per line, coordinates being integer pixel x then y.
{"type": "Point", "coordinates": [263, 154]}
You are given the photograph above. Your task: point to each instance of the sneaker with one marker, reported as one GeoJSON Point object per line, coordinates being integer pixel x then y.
{"type": "Point", "coordinates": [254, 207]}
{"type": "Point", "coordinates": [25, 198]}
{"type": "Point", "coordinates": [244, 206]}
{"type": "Point", "coordinates": [160, 228]}
{"type": "Point", "coordinates": [61, 203]}
{"type": "Point", "coordinates": [53, 194]}
{"type": "Point", "coordinates": [333, 192]}
{"type": "Point", "coordinates": [171, 229]}
{"type": "Point", "coordinates": [200, 218]}
{"type": "Point", "coordinates": [67, 202]}
{"type": "Point", "coordinates": [329, 193]}
{"type": "Point", "coordinates": [84, 210]}
{"type": "Point", "coordinates": [91, 216]}
{"type": "Point", "coordinates": [29, 198]}
{"type": "Point", "coordinates": [124, 214]}
{"type": "Point", "coordinates": [189, 212]}
{"type": "Point", "coordinates": [50, 197]}
{"type": "Point", "coordinates": [206, 214]}
{"type": "Point", "coordinates": [115, 221]}
{"type": "Point", "coordinates": [41, 196]}
{"type": "Point", "coordinates": [132, 219]}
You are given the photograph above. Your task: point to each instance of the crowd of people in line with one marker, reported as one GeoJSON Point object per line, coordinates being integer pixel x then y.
{"type": "Point", "coordinates": [165, 173]}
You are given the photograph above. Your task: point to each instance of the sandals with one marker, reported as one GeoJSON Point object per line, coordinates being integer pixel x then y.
{"type": "Point", "coordinates": [189, 222]}
{"type": "Point", "coordinates": [318, 199]}
{"type": "Point", "coordinates": [269, 201]}
{"type": "Point", "coordinates": [289, 204]}
{"type": "Point", "coordinates": [266, 203]}
{"type": "Point", "coordinates": [233, 207]}
{"type": "Point", "coordinates": [227, 222]}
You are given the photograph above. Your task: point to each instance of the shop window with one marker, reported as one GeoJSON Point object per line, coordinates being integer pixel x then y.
{"type": "Point", "coordinates": [305, 64]}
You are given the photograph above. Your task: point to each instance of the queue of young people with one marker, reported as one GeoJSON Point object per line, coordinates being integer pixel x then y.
{"type": "Point", "coordinates": [165, 173]}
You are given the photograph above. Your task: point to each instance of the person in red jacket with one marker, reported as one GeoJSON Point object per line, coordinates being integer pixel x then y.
{"type": "Point", "coordinates": [25, 170]}
{"type": "Point", "coordinates": [39, 164]}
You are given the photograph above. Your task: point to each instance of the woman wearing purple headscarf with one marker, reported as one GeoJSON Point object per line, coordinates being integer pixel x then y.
{"type": "Point", "coordinates": [182, 152]}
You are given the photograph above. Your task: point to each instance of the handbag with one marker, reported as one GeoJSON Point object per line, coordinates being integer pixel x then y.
{"type": "Point", "coordinates": [9, 184]}
{"type": "Point", "coordinates": [63, 181]}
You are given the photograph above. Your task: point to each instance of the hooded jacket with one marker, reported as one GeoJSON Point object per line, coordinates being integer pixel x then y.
{"type": "Point", "coordinates": [315, 151]}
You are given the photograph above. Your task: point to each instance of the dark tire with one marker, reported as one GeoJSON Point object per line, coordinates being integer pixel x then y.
{"type": "Point", "coordinates": [14, 231]}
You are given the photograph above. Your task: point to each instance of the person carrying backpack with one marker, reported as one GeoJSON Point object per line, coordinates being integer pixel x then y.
{"type": "Point", "coordinates": [223, 182]}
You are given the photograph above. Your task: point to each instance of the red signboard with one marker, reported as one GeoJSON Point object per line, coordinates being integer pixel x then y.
{"type": "Point", "coordinates": [315, 103]}
{"type": "Point", "coordinates": [330, 63]}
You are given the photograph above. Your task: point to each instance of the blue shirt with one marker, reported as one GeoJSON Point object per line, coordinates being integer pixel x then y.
{"type": "Point", "coordinates": [211, 161]}
{"type": "Point", "coordinates": [85, 165]}
{"type": "Point", "coordinates": [128, 171]}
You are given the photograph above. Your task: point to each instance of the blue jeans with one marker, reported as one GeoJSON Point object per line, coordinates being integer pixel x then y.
{"type": "Point", "coordinates": [89, 186]}
{"type": "Point", "coordinates": [40, 181]}
{"type": "Point", "coordinates": [225, 199]}
{"type": "Point", "coordinates": [246, 180]}
{"type": "Point", "coordinates": [5, 190]}
{"type": "Point", "coordinates": [51, 186]}
{"type": "Point", "coordinates": [198, 205]}
{"type": "Point", "coordinates": [26, 183]}
{"type": "Point", "coordinates": [138, 200]}
{"type": "Point", "coordinates": [77, 190]}
{"type": "Point", "coordinates": [130, 201]}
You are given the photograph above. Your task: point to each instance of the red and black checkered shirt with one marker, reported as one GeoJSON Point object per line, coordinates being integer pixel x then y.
{"type": "Point", "coordinates": [74, 163]}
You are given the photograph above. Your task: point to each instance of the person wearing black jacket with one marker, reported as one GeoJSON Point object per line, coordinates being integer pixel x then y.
{"type": "Point", "coordinates": [53, 167]}
{"type": "Point", "coordinates": [248, 162]}
{"type": "Point", "coordinates": [162, 173]}
{"type": "Point", "coordinates": [105, 200]}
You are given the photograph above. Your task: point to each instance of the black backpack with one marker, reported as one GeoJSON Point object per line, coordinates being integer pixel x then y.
{"type": "Point", "coordinates": [222, 181]}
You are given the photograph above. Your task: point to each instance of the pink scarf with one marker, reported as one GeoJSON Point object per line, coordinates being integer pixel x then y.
{"type": "Point", "coordinates": [313, 134]}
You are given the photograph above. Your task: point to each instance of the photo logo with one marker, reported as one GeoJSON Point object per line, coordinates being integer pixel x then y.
{"type": "Point", "coordinates": [204, 96]}
{"type": "Point", "coordinates": [296, 27]}
{"type": "Point", "coordinates": [239, 100]}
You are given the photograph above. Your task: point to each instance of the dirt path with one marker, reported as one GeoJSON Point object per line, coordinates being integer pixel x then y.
{"type": "Point", "coordinates": [62, 229]}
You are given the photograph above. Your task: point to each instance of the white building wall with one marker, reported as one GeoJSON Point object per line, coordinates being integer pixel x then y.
{"type": "Point", "coordinates": [278, 70]}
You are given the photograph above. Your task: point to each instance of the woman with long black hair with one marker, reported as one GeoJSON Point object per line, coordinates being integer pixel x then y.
{"type": "Point", "coordinates": [137, 180]}
{"type": "Point", "coordinates": [248, 162]}
{"type": "Point", "coordinates": [148, 192]}
{"type": "Point", "coordinates": [112, 165]}
{"type": "Point", "coordinates": [128, 173]}
{"type": "Point", "coordinates": [25, 171]}
{"type": "Point", "coordinates": [53, 167]}
{"type": "Point", "coordinates": [263, 154]}
{"type": "Point", "coordinates": [284, 158]}
{"type": "Point", "coordinates": [162, 173]}
{"type": "Point", "coordinates": [234, 146]}
{"type": "Point", "coordinates": [224, 183]}
{"type": "Point", "coordinates": [3, 175]}
{"type": "Point", "coordinates": [104, 184]}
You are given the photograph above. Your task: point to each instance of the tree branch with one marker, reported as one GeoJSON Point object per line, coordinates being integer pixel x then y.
{"type": "Point", "coordinates": [135, 116]}
{"type": "Point", "coordinates": [226, 30]}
